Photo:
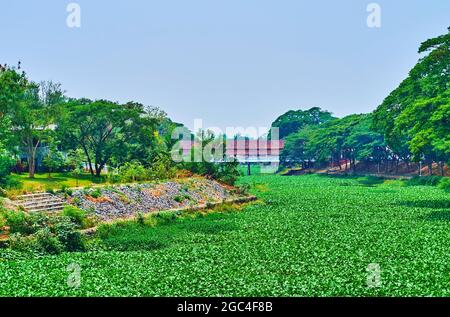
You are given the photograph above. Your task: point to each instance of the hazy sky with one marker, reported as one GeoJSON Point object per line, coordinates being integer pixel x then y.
{"type": "Point", "coordinates": [228, 62]}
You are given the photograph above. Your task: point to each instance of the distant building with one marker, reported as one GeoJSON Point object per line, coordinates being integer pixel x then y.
{"type": "Point", "coordinates": [265, 153]}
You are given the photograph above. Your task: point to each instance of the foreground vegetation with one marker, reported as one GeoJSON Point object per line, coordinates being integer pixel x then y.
{"type": "Point", "coordinates": [312, 236]}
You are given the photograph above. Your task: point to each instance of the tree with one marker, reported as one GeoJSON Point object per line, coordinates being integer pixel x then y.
{"type": "Point", "coordinates": [34, 116]}
{"type": "Point", "coordinates": [407, 115]}
{"type": "Point", "coordinates": [351, 138]}
{"type": "Point", "coordinates": [75, 160]}
{"type": "Point", "coordinates": [107, 131]}
{"type": "Point", "coordinates": [54, 159]}
{"type": "Point", "coordinates": [292, 121]}
{"type": "Point", "coordinates": [144, 135]}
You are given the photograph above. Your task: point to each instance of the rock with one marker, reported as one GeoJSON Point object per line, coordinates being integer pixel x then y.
{"type": "Point", "coordinates": [127, 200]}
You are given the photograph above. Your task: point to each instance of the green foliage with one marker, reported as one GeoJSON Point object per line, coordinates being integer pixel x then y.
{"type": "Point", "coordinates": [95, 193]}
{"type": "Point", "coordinates": [140, 218]}
{"type": "Point", "coordinates": [25, 223]}
{"type": "Point", "coordinates": [6, 163]}
{"type": "Point", "coordinates": [162, 167]}
{"type": "Point", "coordinates": [445, 183]}
{"type": "Point", "coordinates": [36, 233]}
{"type": "Point", "coordinates": [75, 160]}
{"type": "Point", "coordinates": [218, 168]}
{"type": "Point", "coordinates": [66, 232]}
{"type": "Point", "coordinates": [76, 215]}
{"type": "Point", "coordinates": [54, 159]}
{"type": "Point", "coordinates": [243, 189]}
{"type": "Point", "coordinates": [47, 242]}
{"type": "Point", "coordinates": [350, 138]}
{"type": "Point", "coordinates": [297, 239]}
{"type": "Point", "coordinates": [132, 172]}
{"type": "Point", "coordinates": [293, 121]}
{"type": "Point", "coordinates": [415, 116]}
{"type": "Point", "coordinates": [424, 181]}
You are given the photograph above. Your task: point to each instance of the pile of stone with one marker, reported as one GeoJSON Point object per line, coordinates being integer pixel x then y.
{"type": "Point", "coordinates": [123, 201]}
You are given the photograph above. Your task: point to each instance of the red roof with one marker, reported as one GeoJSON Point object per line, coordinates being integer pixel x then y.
{"type": "Point", "coordinates": [244, 147]}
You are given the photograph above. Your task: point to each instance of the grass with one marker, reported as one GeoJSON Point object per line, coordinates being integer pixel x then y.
{"type": "Point", "coordinates": [42, 182]}
{"type": "Point", "coordinates": [313, 236]}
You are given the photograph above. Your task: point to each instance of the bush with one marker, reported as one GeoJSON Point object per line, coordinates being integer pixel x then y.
{"type": "Point", "coordinates": [96, 193]}
{"type": "Point", "coordinates": [132, 172]}
{"type": "Point", "coordinates": [65, 231]}
{"type": "Point", "coordinates": [445, 183]}
{"type": "Point", "coordinates": [179, 199]}
{"type": "Point", "coordinates": [6, 164]}
{"type": "Point", "coordinates": [19, 222]}
{"type": "Point", "coordinates": [26, 224]}
{"type": "Point", "coordinates": [76, 215]}
{"type": "Point", "coordinates": [227, 172]}
{"type": "Point", "coordinates": [23, 244]}
{"type": "Point", "coordinates": [38, 234]}
{"type": "Point", "coordinates": [162, 167]}
{"type": "Point", "coordinates": [47, 242]}
{"type": "Point", "coordinates": [50, 190]}
{"type": "Point", "coordinates": [140, 218]}
{"type": "Point", "coordinates": [424, 181]}
{"type": "Point", "coordinates": [166, 217]}
{"type": "Point", "coordinates": [2, 221]}
{"type": "Point", "coordinates": [242, 189]}
{"type": "Point", "coordinates": [113, 176]}
{"type": "Point", "coordinates": [66, 190]}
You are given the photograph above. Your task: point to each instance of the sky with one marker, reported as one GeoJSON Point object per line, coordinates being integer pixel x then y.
{"type": "Point", "coordinates": [230, 63]}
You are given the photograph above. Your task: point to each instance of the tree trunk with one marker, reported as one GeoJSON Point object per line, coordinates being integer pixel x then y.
{"type": "Point", "coordinates": [98, 170]}
{"type": "Point", "coordinates": [430, 168]}
{"type": "Point", "coordinates": [249, 170]}
{"type": "Point", "coordinates": [31, 166]}
{"type": "Point", "coordinates": [91, 169]}
{"type": "Point", "coordinates": [31, 153]}
{"type": "Point", "coordinates": [441, 166]}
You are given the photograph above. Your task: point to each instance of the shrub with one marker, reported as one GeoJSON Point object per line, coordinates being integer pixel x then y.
{"type": "Point", "coordinates": [6, 164]}
{"type": "Point", "coordinates": [76, 215]}
{"type": "Point", "coordinates": [66, 190]}
{"type": "Point", "coordinates": [50, 190]}
{"type": "Point", "coordinates": [165, 217]}
{"type": "Point", "coordinates": [65, 230]}
{"type": "Point", "coordinates": [242, 189]}
{"type": "Point", "coordinates": [76, 201]}
{"type": "Point", "coordinates": [227, 172]}
{"type": "Point", "coordinates": [18, 222]}
{"type": "Point", "coordinates": [96, 193]}
{"type": "Point", "coordinates": [47, 242]}
{"type": "Point", "coordinates": [179, 199]}
{"type": "Point", "coordinates": [113, 176]}
{"type": "Point", "coordinates": [140, 218]}
{"type": "Point", "coordinates": [2, 221]}
{"type": "Point", "coordinates": [22, 243]}
{"type": "Point", "coordinates": [424, 181]}
{"type": "Point", "coordinates": [132, 172]}
{"type": "Point", "coordinates": [445, 183]}
{"type": "Point", "coordinates": [162, 167]}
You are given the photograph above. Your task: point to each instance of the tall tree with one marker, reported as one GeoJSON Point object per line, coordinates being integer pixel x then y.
{"type": "Point", "coordinates": [108, 132]}
{"type": "Point", "coordinates": [292, 121]}
{"type": "Point", "coordinates": [33, 118]}
{"type": "Point", "coordinates": [405, 115]}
